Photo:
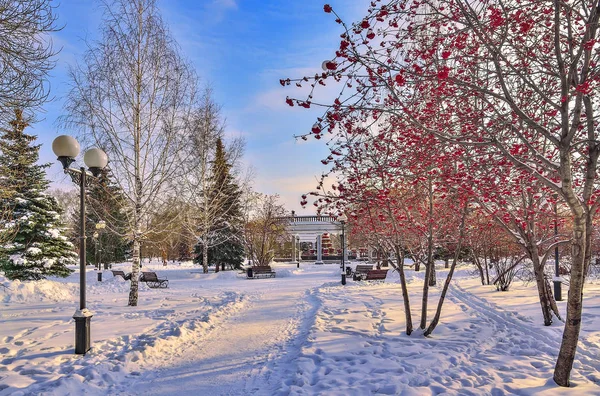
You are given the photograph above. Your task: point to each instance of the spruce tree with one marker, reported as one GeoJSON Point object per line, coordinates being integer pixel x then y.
{"type": "Point", "coordinates": [104, 202]}
{"type": "Point", "coordinates": [38, 247]}
{"type": "Point", "coordinates": [225, 241]}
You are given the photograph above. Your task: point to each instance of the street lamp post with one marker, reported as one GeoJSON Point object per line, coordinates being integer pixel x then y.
{"type": "Point", "coordinates": [66, 149]}
{"type": "Point", "coordinates": [100, 226]}
{"type": "Point", "coordinates": [342, 219]}
{"type": "Point", "coordinates": [95, 238]}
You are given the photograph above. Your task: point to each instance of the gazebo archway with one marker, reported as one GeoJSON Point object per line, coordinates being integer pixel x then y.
{"type": "Point", "coordinates": [311, 229]}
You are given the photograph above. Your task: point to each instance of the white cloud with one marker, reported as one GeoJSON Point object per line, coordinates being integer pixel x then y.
{"type": "Point", "coordinates": [228, 4]}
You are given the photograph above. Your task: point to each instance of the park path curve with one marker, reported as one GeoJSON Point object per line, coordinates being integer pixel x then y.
{"type": "Point", "coordinates": [239, 354]}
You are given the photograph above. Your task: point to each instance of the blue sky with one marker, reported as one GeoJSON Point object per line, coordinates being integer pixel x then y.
{"type": "Point", "coordinates": [241, 48]}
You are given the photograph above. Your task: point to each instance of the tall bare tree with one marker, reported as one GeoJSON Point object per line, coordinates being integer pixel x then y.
{"type": "Point", "coordinates": [207, 194]}
{"type": "Point", "coordinates": [264, 228]}
{"type": "Point", "coordinates": [133, 95]}
{"type": "Point", "coordinates": [26, 54]}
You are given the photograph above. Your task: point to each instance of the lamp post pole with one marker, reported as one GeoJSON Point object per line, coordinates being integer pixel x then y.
{"type": "Point", "coordinates": [82, 247]}
{"type": "Point", "coordinates": [99, 227]}
{"type": "Point", "coordinates": [67, 148]}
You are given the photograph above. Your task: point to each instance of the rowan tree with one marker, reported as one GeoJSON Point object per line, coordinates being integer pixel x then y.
{"type": "Point", "coordinates": [518, 77]}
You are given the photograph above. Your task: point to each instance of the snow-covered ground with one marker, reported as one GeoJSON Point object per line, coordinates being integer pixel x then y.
{"type": "Point", "coordinates": [301, 333]}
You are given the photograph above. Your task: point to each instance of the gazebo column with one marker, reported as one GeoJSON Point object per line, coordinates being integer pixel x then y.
{"type": "Point", "coordinates": [319, 250]}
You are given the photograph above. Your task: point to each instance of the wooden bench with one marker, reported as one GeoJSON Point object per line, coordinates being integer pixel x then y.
{"type": "Point", "coordinates": [361, 271]}
{"type": "Point", "coordinates": [262, 271]}
{"type": "Point", "coordinates": [153, 281]}
{"type": "Point", "coordinates": [126, 276]}
{"type": "Point", "coordinates": [376, 274]}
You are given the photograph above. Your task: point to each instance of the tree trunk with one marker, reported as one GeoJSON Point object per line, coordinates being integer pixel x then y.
{"type": "Point", "coordinates": [205, 256]}
{"type": "Point", "coordinates": [424, 300]}
{"type": "Point", "coordinates": [568, 347]}
{"type": "Point", "coordinates": [135, 271]}
{"type": "Point", "coordinates": [553, 305]}
{"type": "Point", "coordinates": [438, 312]}
{"type": "Point", "coordinates": [405, 297]}
{"type": "Point", "coordinates": [478, 266]}
{"type": "Point", "coordinates": [429, 278]}
{"type": "Point", "coordinates": [487, 271]}
{"type": "Point", "coordinates": [433, 276]}
{"type": "Point", "coordinates": [541, 287]}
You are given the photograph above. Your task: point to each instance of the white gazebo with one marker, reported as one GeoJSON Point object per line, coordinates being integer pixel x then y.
{"type": "Point", "coordinates": [311, 229]}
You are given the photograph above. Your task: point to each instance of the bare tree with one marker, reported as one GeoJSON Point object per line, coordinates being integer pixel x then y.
{"type": "Point", "coordinates": [68, 200]}
{"type": "Point", "coordinates": [26, 54]}
{"type": "Point", "coordinates": [206, 127]}
{"type": "Point", "coordinates": [264, 228]}
{"type": "Point", "coordinates": [206, 186]}
{"type": "Point", "coordinates": [133, 96]}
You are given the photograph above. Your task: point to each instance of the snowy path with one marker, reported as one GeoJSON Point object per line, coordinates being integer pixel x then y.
{"type": "Point", "coordinates": [237, 356]}
{"type": "Point", "coordinates": [301, 333]}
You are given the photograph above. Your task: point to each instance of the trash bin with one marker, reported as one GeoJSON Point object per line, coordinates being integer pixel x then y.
{"type": "Point", "coordinates": [249, 272]}
{"type": "Point", "coordinates": [348, 271]}
{"type": "Point", "coordinates": [82, 331]}
{"type": "Point", "coordinates": [99, 276]}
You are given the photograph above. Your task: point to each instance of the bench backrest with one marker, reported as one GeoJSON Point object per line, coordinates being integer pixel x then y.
{"type": "Point", "coordinates": [262, 268]}
{"type": "Point", "coordinates": [376, 274]}
{"type": "Point", "coordinates": [150, 276]}
{"type": "Point", "coordinates": [118, 272]}
{"type": "Point", "coordinates": [363, 268]}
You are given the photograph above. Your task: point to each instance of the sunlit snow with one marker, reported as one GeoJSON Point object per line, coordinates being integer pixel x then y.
{"type": "Point", "coordinates": [300, 333]}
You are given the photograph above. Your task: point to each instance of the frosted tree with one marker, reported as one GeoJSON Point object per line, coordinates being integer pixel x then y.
{"type": "Point", "coordinates": [519, 78]}
{"type": "Point", "coordinates": [223, 242]}
{"type": "Point", "coordinates": [206, 185]}
{"type": "Point", "coordinates": [264, 228]}
{"type": "Point", "coordinates": [132, 96]}
{"type": "Point", "coordinates": [38, 247]}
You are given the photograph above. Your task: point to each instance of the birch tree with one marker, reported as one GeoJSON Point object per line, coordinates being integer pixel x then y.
{"type": "Point", "coordinates": [132, 95]}
{"type": "Point", "coordinates": [264, 229]}
{"type": "Point", "coordinates": [26, 54]}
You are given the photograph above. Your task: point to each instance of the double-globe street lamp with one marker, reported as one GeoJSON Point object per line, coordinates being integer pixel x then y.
{"type": "Point", "coordinates": [343, 219]}
{"type": "Point", "coordinates": [66, 149]}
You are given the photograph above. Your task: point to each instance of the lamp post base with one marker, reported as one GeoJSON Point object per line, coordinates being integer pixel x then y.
{"type": "Point", "coordinates": [557, 290]}
{"type": "Point", "coordinates": [83, 319]}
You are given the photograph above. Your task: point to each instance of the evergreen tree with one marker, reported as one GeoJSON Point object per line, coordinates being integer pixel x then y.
{"type": "Point", "coordinates": [225, 243]}
{"type": "Point", "coordinates": [39, 247]}
{"type": "Point", "coordinates": [106, 203]}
